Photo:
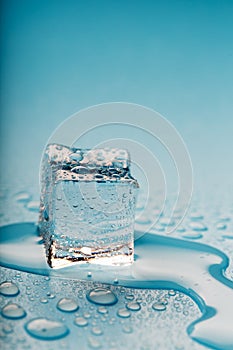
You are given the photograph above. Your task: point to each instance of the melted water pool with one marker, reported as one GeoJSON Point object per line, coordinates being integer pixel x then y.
{"type": "Point", "coordinates": [176, 290]}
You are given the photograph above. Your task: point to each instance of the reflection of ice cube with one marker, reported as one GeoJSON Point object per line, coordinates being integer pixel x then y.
{"type": "Point", "coordinates": [87, 206]}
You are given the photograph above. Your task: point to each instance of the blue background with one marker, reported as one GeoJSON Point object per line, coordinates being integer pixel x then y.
{"type": "Point", "coordinates": [173, 56]}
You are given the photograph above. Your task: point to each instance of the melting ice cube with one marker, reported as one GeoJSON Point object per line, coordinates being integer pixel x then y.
{"type": "Point", "coordinates": [87, 206]}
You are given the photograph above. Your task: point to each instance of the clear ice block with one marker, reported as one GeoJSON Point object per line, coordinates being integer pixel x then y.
{"type": "Point", "coordinates": [87, 206]}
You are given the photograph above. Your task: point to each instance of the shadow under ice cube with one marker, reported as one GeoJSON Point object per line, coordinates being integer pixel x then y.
{"type": "Point", "coordinates": [87, 206]}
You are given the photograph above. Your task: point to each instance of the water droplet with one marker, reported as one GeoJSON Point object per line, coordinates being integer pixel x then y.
{"type": "Point", "coordinates": [224, 219]}
{"type": "Point", "coordinates": [123, 312]}
{"type": "Point", "coordinates": [166, 222]}
{"type": "Point", "coordinates": [89, 274]}
{"type": "Point", "coordinates": [102, 310]}
{"type": "Point", "coordinates": [102, 296]}
{"type": "Point", "coordinates": [228, 236]}
{"type": "Point", "coordinates": [143, 220]}
{"type": "Point", "coordinates": [159, 306]}
{"type": "Point", "coordinates": [9, 289]}
{"type": "Point", "coordinates": [43, 328]}
{"type": "Point", "coordinates": [129, 297]}
{"type": "Point", "coordinates": [127, 329]}
{"type": "Point", "coordinates": [196, 216]}
{"type": "Point", "coordinates": [180, 229]}
{"type": "Point", "coordinates": [80, 170]}
{"type": "Point", "coordinates": [197, 226]}
{"type": "Point", "coordinates": [94, 343]}
{"type": "Point", "coordinates": [133, 306]}
{"type": "Point", "coordinates": [33, 206]}
{"type": "Point", "coordinates": [44, 301]}
{"type": "Point", "coordinates": [221, 226]}
{"type": "Point", "coordinates": [172, 292]}
{"type": "Point", "coordinates": [23, 196]}
{"type": "Point", "coordinates": [50, 295]}
{"type": "Point", "coordinates": [13, 311]}
{"type": "Point", "coordinates": [7, 328]}
{"type": "Point", "coordinates": [80, 322]}
{"type": "Point", "coordinates": [67, 305]}
{"type": "Point", "coordinates": [97, 330]}
{"type": "Point", "coordinates": [77, 157]}
{"type": "Point", "coordinates": [192, 235]}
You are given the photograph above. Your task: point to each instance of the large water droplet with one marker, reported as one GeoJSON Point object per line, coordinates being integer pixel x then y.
{"type": "Point", "coordinates": [133, 306]}
{"type": "Point", "coordinates": [67, 305]}
{"type": "Point", "coordinates": [9, 289]}
{"type": "Point", "coordinates": [13, 311]}
{"type": "Point", "coordinates": [102, 296]}
{"type": "Point", "coordinates": [43, 328]}
{"type": "Point", "coordinates": [80, 322]}
{"type": "Point", "coordinates": [123, 312]}
{"type": "Point", "coordinates": [159, 306]}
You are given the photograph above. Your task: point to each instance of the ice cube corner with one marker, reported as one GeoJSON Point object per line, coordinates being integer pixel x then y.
{"type": "Point", "coordinates": [87, 206]}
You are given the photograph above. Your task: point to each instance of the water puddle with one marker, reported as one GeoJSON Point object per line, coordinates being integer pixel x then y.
{"type": "Point", "coordinates": [160, 263]}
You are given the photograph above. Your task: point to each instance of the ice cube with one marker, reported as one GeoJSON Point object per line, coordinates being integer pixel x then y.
{"type": "Point", "coordinates": [87, 206]}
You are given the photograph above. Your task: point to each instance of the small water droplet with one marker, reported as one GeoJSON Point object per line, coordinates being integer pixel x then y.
{"type": "Point", "coordinates": [80, 170]}
{"type": "Point", "coordinates": [159, 306]}
{"type": "Point", "coordinates": [13, 311]}
{"type": "Point", "coordinates": [102, 310]}
{"type": "Point", "coordinates": [228, 236]}
{"type": "Point", "coordinates": [97, 330]}
{"type": "Point", "coordinates": [127, 329]}
{"type": "Point", "coordinates": [102, 296]}
{"type": "Point", "coordinates": [172, 292]}
{"type": "Point", "coordinates": [77, 157]}
{"type": "Point", "coordinates": [50, 295]}
{"type": "Point", "coordinates": [23, 196]}
{"type": "Point", "coordinates": [129, 297]}
{"type": "Point", "coordinates": [89, 274]}
{"type": "Point", "coordinates": [43, 328]}
{"type": "Point", "coordinates": [143, 220]}
{"type": "Point", "coordinates": [94, 343]}
{"type": "Point", "coordinates": [67, 305]}
{"type": "Point", "coordinates": [33, 206]}
{"type": "Point", "coordinates": [180, 229]}
{"type": "Point", "coordinates": [9, 289]}
{"type": "Point", "coordinates": [196, 216]}
{"type": "Point", "coordinates": [44, 301]}
{"type": "Point", "coordinates": [197, 226]}
{"type": "Point", "coordinates": [80, 322]}
{"type": "Point", "coordinates": [224, 219]}
{"type": "Point", "coordinates": [7, 328]}
{"type": "Point", "coordinates": [123, 312]}
{"type": "Point", "coordinates": [192, 235]}
{"type": "Point", "coordinates": [133, 306]}
{"type": "Point", "coordinates": [166, 222]}
{"type": "Point", "coordinates": [221, 226]}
